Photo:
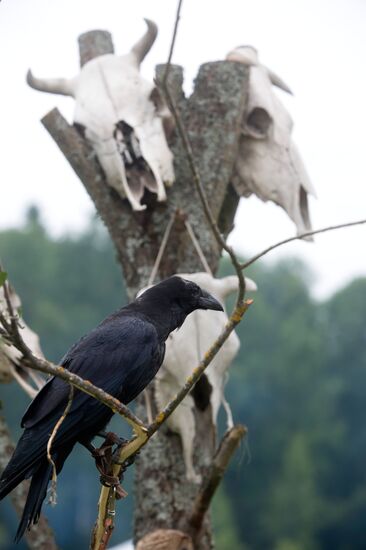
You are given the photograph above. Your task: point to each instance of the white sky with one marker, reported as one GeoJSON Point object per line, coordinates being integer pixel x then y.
{"type": "Point", "coordinates": [317, 46]}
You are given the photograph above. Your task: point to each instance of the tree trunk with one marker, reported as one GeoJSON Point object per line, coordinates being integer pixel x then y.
{"type": "Point", "coordinates": [212, 116]}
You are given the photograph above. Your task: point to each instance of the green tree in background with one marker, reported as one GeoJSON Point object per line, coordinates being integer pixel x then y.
{"type": "Point", "coordinates": [345, 480]}
{"type": "Point", "coordinates": [67, 285]}
{"type": "Point", "coordinates": [298, 384]}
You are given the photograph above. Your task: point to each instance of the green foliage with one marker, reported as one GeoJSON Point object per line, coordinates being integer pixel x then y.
{"type": "Point", "coordinates": [226, 535]}
{"type": "Point", "coordinates": [3, 277]}
{"type": "Point", "coordinates": [67, 285]}
{"type": "Point", "coordinates": [298, 383]}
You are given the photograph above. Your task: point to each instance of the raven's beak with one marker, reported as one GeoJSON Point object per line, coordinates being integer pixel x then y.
{"type": "Point", "coordinates": [206, 301]}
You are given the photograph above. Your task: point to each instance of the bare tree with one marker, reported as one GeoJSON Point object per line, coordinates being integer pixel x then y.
{"type": "Point", "coordinates": [212, 120]}
{"type": "Point", "coordinates": [205, 146]}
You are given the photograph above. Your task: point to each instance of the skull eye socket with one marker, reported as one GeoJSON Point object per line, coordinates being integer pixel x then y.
{"type": "Point", "coordinates": [157, 99]}
{"type": "Point", "coordinates": [162, 111]}
{"type": "Point", "coordinates": [258, 122]}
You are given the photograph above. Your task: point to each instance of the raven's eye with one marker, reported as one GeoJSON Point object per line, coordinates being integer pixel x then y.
{"type": "Point", "coordinates": [196, 291]}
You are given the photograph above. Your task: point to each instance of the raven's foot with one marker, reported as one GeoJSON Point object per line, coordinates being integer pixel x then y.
{"type": "Point", "coordinates": [104, 462]}
{"type": "Point", "coordinates": [115, 482]}
{"type": "Point", "coordinates": [127, 461]}
{"type": "Point", "coordinates": [111, 437]}
{"type": "Point", "coordinates": [123, 455]}
{"type": "Point", "coordinates": [126, 453]}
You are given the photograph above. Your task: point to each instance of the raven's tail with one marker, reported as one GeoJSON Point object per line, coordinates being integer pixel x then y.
{"type": "Point", "coordinates": [30, 460]}
{"type": "Point", "coordinates": [36, 495]}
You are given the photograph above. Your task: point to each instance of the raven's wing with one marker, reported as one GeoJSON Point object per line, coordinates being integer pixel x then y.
{"type": "Point", "coordinates": [121, 357]}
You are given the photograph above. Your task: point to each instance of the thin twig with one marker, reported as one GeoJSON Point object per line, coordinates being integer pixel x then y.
{"type": "Point", "coordinates": [42, 365]}
{"type": "Point", "coordinates": [228, 446]}
{"type": "Point", "coordinates": [234, 319]}
{"type": "Point", "coordinates": [298, 237]}
{"type": "Point", "coordinates": [171, 50]}
{"type": "Point", "coordinates": [53, 490]}
{"type": "Point", "coordinates": [197, 246]}
{"type": "Point", "coordinates": [6, 330]}
{"type": "Point", "coordinates": [199, 186]}
{"type": "Point", "coordinates": [162, 249]}
{"type": "Point", "coordinates": [149, 413]}
{"type": "Point", "coordinates": [14, 319]}
{"type": "Point", "coordinates": [17, 371]}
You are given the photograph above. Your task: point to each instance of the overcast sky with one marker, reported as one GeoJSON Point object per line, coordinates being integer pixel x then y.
{"type": "Point", "coordinates": [317, 46]}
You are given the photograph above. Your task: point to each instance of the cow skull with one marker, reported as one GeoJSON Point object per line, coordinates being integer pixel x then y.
{"type": "Point", "coordinates": [184, 350]}
{"type": "Point", "coordinates": [10, 357]}
{"type": "Point", "coordinates": [123, 116]}
{"type": "Point", "coordinates": [268, 163]}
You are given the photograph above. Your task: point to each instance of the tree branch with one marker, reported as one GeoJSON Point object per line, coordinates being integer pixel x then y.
{"type": "Point", "coordinates": [298, 237]}
{"type": "Point", "coordinates": [171, 50]}
{"type": "Point", "coordinates": [53, 493]}
{"type": "Point", "coordinates": [82, 158]}
{"type": "Point", "coordinates": [42, 365]}
{"type": "Point", "coordinates": [104, 521]}
{"type": "Point", "coordinates": [194, 169]}
{"type": "Point", "coordinates": [201, 192]}
{"type": "Point", "coordinates": [107, 496]}
{"type": "Point", "coordinates": [221, 460]}
{"type": "Point", "coordinates": [106, 502]}
{"type": "Point", "coordinates": [234, 320]}
{"type": "Point", "coordinates": [12, 365]}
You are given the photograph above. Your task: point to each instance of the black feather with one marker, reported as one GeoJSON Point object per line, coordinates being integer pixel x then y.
{"type": "Point", "coordinates": [36, 495]}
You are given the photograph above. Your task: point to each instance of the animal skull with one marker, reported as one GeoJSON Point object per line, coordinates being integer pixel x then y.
{"type": "Point", "coordinates": [184, 349]}
{"type": "Point", "coordinates": [124, 118]}
{"type": "Point", "coordinates": [10, 357]}
{"type": "Point", "coordinates": [268, 163]}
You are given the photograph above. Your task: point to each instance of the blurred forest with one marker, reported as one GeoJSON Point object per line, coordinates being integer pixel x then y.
{"type": "Point", "coordinates": [299, 482]}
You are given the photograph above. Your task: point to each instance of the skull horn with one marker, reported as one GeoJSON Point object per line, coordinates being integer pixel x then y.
{"type": "Point", "coordinates": [277, 81]}
{"type": "Point", "coordinates": [143, 46]}
{"type": "Point", "coordinates": [61, 86]}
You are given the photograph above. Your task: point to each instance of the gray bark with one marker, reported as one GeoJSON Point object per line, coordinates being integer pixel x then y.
{"type": "Point", "coordinates": [212, 118]}
{"type": "Point", "coordinates": [94, 43]}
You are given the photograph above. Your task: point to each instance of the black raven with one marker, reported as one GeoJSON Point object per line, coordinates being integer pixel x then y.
{"type": "Point", "coordinates": [121, 356]}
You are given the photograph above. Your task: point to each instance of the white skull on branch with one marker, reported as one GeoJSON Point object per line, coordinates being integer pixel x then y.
{"type": "Point", "coordinates": [10, 358]}
{"type": "Point", "coordinates": [125, 119]}
{"type": "Point", "coordinates": [268, 163]}
{"type": "Point", "coordinates": [184, 349]}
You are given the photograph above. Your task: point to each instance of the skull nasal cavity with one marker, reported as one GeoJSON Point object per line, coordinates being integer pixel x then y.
{"type": "Point", "coordinates": [201, 393]}
{"type": "Point", "coordinates": [259, 121]}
